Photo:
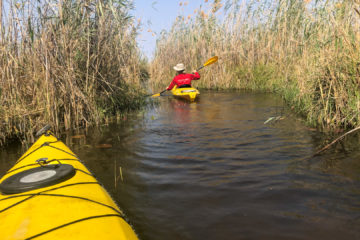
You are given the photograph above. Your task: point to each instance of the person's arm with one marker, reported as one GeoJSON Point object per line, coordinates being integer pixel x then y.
{"type": "Point", "coordinates": [172, 84]}
{"type": "Point", "coordinates": [196, 75]}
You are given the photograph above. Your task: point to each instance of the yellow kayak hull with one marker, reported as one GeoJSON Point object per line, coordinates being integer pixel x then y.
{"type": "Point", "coordinates": [190, 94]}
{"type": "Point", "coordinates": [77, 207]}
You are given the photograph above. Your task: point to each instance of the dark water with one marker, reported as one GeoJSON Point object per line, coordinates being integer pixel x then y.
{"type": "Point", "coordinates": [214, 170]}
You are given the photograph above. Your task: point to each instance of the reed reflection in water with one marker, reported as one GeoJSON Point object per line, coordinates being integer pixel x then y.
{"type": "Point", "coordinates": [214, 170]}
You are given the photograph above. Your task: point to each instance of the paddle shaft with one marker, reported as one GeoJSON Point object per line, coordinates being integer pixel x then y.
{"type": "Point", "coordinates": [200, 68]}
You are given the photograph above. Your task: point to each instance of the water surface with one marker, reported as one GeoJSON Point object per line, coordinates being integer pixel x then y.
{"type": "Point", "coordinates": [214, 170]}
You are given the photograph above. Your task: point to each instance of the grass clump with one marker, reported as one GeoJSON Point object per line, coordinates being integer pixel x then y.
{"type": "Point", "coordinates": [67, 63]}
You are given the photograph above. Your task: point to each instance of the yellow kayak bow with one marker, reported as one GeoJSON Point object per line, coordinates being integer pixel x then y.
{"type": "Point", "coordinates": [50, 194]}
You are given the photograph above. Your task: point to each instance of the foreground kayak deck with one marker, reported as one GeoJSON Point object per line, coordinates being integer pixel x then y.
{"type": "Point", "coordinates": [50, 194]}
{"type": "Point", "coordinates": [190, 94]}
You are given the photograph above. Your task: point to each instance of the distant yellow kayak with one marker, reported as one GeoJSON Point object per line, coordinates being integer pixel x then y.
{"type": "Point", "coordinates": [188, 93]}
{"type": "Point", "coordinates": [50, 194]}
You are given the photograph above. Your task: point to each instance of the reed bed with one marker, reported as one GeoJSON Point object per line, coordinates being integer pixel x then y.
{"type": "Point", "coordinates": [307, 51]}
{"type": "Point", "coordinates": [66, 63]}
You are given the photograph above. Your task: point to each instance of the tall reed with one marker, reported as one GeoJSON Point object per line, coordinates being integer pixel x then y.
{"type": "Point", "coordinates": [67, 63]}
{"type": "Point", "coordinates": [307, 51]}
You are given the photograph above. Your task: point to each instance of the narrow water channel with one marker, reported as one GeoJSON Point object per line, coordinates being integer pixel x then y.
{"type": "Point", "coordinates": [214, 170]}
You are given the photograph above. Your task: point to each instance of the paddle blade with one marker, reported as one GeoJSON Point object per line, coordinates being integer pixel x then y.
{"type": "Point", "coordinates": [211, 61]}
{"type": "Point", "coordinates": [156, 95]}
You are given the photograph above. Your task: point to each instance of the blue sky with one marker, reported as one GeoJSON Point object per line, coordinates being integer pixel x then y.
{"type": "Point", "coordinates": [157, 15]}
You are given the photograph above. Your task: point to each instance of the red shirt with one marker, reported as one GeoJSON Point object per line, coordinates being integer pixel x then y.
{"type": "Point", "coordinates": [183, 79]}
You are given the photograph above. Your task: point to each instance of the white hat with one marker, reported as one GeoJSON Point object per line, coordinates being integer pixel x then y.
{"type": "Point", "coordinates": [179, 67]}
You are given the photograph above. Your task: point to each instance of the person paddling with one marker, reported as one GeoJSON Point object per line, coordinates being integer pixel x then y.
{"type": "Point", "coordinates": [182, 79]}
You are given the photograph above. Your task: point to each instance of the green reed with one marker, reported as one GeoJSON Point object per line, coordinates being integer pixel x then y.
{"type": "Point", "coordinates": [67, 63]}
{"type": "Point", "coordinates": [307, 51]}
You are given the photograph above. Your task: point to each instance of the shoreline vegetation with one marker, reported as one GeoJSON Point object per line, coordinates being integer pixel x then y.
{"type": "Point", "coordinates": [72, 64]}
{"type": "Point", "coordinates": [306, 51]}
{"type": "Point", "coordinates": [69, 64]}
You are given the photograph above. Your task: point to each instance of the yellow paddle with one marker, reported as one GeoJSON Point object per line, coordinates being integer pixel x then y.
{"type": "Point", "coordinates": [158, 94]}
{"type": "Point", "coordinates": [207, 63]}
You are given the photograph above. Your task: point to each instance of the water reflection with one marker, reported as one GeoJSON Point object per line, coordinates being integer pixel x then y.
{"type": "Point", "coordinates": [214, 170]}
